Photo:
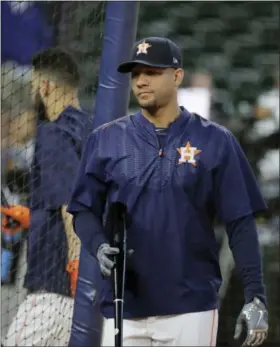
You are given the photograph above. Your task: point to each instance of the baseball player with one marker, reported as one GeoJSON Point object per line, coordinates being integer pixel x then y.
{"type": "Point", "coordinates": [176, 172]}
{"type": "Point", "coordinates": [44, 318]}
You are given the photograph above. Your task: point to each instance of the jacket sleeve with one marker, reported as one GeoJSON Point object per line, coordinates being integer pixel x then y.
{"type": "Point", "coordinates": [236, 191]}
{"type": "Point", "coordinates": [88, 198]}
{"type": "Point", "coordinates": [241, 233]}
{"type": "Point", "coordinates": [58, 167]}
{"type": "Point", "coordinates": [237, 199]}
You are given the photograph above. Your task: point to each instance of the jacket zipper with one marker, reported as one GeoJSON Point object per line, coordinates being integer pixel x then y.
{"type": "Point", "coordinates": [160, 154]}
{"type": "Point", "coordinates": [160, 151]}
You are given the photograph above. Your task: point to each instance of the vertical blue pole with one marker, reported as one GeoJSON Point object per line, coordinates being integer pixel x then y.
{"type": "Point", "coordinates": [111, 103]}
{"type": "Point", "coordinates": [119, 37]}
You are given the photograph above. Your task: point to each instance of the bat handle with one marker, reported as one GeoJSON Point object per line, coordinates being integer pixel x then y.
{"type": "Point", "coordinates": [118, 298]}
{"type": "Point", "coordinates": [118, 323]}
{"type": "Point", "coordinates": [119, 282]}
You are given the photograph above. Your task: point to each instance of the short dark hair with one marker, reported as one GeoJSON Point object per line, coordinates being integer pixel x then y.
{"type": "Point", "coordinates": [58, 63]}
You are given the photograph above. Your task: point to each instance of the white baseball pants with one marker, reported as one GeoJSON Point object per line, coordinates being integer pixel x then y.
{"type": "Point", "coordinates": [191, 329]}
{"type": "Point", "coordinates": [43, 319]}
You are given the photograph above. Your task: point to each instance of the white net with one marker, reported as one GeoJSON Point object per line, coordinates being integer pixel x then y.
{"type": "Point", "coordinates": [27, 28]}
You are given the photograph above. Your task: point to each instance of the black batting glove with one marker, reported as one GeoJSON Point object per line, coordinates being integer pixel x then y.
{"type": "Point", "coordinates": [255, 318]}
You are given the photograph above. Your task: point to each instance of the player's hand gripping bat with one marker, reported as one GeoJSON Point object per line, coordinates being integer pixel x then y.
{"type": "Point", "coordinates": [11, 223]}
{"type": "Point", "coordinates": [15, 218]}
{"type": "Point", "coordinates": [116, 226]}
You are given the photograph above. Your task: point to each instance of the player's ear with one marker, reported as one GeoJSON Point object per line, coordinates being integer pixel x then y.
{"type": "Point", "coordinates": [178, 77]}
{"type": "Point", "coordinates": [44, 88]}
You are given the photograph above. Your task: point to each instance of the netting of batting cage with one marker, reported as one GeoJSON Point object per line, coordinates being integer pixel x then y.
{"type": "Point", "coordinates": [231, 48]}
{"type": "Point", "coordinates": [27, 29]}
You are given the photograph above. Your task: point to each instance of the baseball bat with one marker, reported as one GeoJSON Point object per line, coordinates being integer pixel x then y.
{"type": "Point", "coordinates": [117, 227]}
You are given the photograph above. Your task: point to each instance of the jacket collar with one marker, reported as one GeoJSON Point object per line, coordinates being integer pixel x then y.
{"type": "Point", "coordinates": [174, 130]}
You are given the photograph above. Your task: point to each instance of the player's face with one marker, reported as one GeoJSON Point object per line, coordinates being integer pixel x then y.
{"type": "Point", "coordinates": [36, 97]}
{"type": "Point", "coordinates": [155, 87]}
{"type": "Point", "coordinates": [34, 87]}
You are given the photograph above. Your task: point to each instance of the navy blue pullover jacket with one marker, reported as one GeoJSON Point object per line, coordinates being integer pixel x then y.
{"type": "Point", "coordinates": [57, 150]}
{"type": "Point", "coordinates": [172, 195]}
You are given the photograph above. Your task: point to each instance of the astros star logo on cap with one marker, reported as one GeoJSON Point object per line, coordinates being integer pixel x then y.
{"type": "Point", "coordinates": [142, 48]}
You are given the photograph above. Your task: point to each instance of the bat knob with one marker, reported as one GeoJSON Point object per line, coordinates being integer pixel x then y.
{"type": "Point", "coordinates": [130, 252]}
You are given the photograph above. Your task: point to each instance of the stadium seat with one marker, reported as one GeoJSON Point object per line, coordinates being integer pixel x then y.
{"type": "Point", "coordinates": [245, 84]}
{"type": "Point", "coordinates": [222, 83]}
{"type": "Point", "coordinates": [261, 8]}
{"type": "Point", "coordinates": [243, 57]}
{"type": "Point", "coordinates": [267, 81]}
{"type": "Point", "coordinates": [236, 26]}
{"type": "Point", "coordinates": [223, 95]}
{"type": "Point", "coordinates": [264, 60]}
{"type": "Point", "coordinates": [213, 43]}
{"type": "Point", "coordinates": [187, 42]}
{"type": "Point", "coordinates": [209, 25]}
{"type": "Point", "coordinates": [233, 10]}
{"type": "Point", "coordinates": [270, 39]}
{"type": "Point", "coordinates": [190, 57]}
{"type": "Point", "coordinates": [184, 27]}
{"type": "Point", "coordinates": [183, 11]}
{"type": "Point", "coordinates": [246, 92]}
{"type": "Point", "coordinates": [206, 9]}
{"type": "Point", "coordinates": [240, 76]}
{"type": "Point", "coordinates": [216, 63]}
{"type": "Point", "coordinates": [150, 13]}
{"type": "Point", "coordinates": [160, 26]}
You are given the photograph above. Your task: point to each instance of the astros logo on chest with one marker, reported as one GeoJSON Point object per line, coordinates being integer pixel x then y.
{"type": "Point", "coordinates": [187, 154]}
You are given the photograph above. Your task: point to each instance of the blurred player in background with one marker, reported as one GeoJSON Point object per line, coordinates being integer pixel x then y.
{"type": "Point", "coordinates": [267, 125]}
{"type": "Point", "coordinates": [197, 96]}
{"type": "Point", "coordinates": [24, 32]}
{"type": "Point", "coordinates": [176, 172]}
{"type": "Point", "coordinates": [44, 318]}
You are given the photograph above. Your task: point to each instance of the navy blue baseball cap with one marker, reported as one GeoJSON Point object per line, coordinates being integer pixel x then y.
{"type": "Point", "coordinates": [156, 52]}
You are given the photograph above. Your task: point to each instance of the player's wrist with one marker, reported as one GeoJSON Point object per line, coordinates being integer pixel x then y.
{"type": "Point", "coordinates": [73, 270]}
{"type": "Point", "coordinates": [100, 248]}
{"type": "Point", "coordinates": [99, 243]}
{"type": "Point", "coordinates": [73, 265]}
{"type": "Point", "coordinates": [258, 300]}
